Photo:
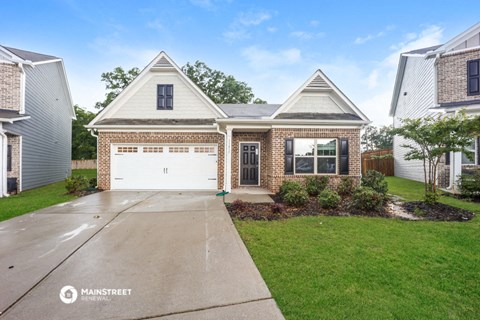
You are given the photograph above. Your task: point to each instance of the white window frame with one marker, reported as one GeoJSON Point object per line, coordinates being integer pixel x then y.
{"type": "Point", "coordinates": [475, 153]}
{"type": "Point", "coordinates": [315, 157]}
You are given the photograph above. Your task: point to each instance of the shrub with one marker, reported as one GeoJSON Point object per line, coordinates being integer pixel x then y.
{"type": "Point", "coordinates": [346, 186]}
{"type": "Point", "coordinates": [296, 197]}
{"type": "Point", "coordinates": [431, 197]}
{"type": "Point", "coordinates": [289, 185]}
{"type": "Point", "coordinates": [238, 205]}
{"type": "Point", "coordinates": [329, 199]}
{"type": "Point", "coordinates": [92, 183]}
{"type": "Point", "coordinates": [470, 185]}
{"type": "Point", "coordinates": [375, 180]}
{"type": "Point", "coordinates": [315, 184]}
{"type": "Point", "coordinates": [367, 199]}
{"type": "Point", "coordinates": [75, 184]}
{"type": "Point", "coordinates": [277, 207]}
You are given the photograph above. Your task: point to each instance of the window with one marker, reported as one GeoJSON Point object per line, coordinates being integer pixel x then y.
{"type": "Point", "coordinates": [178, 149]}
{"type": "Point", "coordinates": [204, 149]}
{"type": "Point", "coordinates": [165, 97]}
{"type": "Point", "coordinates": [9, 157]}
{"type": "Point", "coordinates": [472, 151]}
{"type": "Point", "coordinates": [127, 149]}
{"type": "Point", "coordinates": [315, 156]}
{"type": "Point", "coordinates": [152, 149]}
{"type": "Point", "coordinates": [473, 76]}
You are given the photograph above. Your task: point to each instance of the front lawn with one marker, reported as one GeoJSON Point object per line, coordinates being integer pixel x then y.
{"type": "Point", "coordinates": [38, 198]}
{"type": "Point", "coordinates": [370, 268]}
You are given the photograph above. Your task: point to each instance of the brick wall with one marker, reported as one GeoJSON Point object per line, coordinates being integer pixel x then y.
{"type": "Point", "coordinates": [238, 137]}
{"type": "Point", "coordinates": [276, 145]}
{"type": "Point", "coordinates": [452, 76]}
{"type": "Point", "coordinates": [9, 87]}
{"type": "Point", "coordinates": [14, 141]}
{"type": "Point", "coordinates": [105, 139]}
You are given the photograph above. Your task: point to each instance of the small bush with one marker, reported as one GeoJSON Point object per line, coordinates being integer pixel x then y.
{"type": "Point", "coordinates": [367, 199]}
{"type": "Point", "coordinates": [329, 199]}
{"type": "Point", "coordinates": [431, 197]}
{"type": "Point", "coordinates": [277, 207]}
{"type": "Point", "coordinates": [75, 184]}
{"type": "Point", "coordinates": [289, 185]}
{"type": "Point", "coordinates": [296, 197]}
{"type": "Point", "coordinates": [92, 183]}
{"type": "Point", "coordinates": [315, 184]}
{"type": "Point", "coordinates": [346, 186]}
{"type": "Point", "coordinates": [238, 205]}
{"type": "Point", "coordinates": [470, 185]}
{"type": "Point", "coordinates": [375, 180]}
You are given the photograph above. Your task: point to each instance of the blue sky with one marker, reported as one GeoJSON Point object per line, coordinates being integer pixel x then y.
{"type": "Point", "coordinates": [274, 46]}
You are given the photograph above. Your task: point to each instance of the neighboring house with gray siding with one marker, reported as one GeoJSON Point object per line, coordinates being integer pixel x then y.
{"type": "Point", "coordinates": [36, 113]}
{"type": "Point", "coordinates": [439, 79]}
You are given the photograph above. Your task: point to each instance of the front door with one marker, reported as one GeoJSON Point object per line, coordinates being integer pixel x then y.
{"type": "Point", "coordinates": [249, 163]}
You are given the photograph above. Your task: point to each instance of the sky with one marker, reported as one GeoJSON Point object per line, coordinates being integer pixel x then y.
{"type": "Point", "coordinates": [273, 46]}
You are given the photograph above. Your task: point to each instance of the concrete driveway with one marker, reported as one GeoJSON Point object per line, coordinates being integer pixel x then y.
{"type": "Point", "coordinates": [130, 255]}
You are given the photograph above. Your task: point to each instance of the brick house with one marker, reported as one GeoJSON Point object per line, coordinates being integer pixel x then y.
{"type": "Point", "coordinates": [163, 132]}
{"type": "Point", "coordinates": [443, 79]}
{"type": "Point", "coordinates": [36, 113]}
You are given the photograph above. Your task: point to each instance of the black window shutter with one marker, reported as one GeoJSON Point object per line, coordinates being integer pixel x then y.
{"type": "Point", "coordinates": [169, 96]}
{"type": "Point", "coordinates": [288, 156]}
{"type": "Point", "coordinates": [161, 96]}
{"type": "Point", "coordinates": [478, 150]}
{"type": "Point", "coordinates": [343, 156]}
{"type": "Point", "coordinates": [473, 75]}
{"type": "Point", "coordinates": [447, 158]}
{"type": "Point", "coordinates": [9, 158]}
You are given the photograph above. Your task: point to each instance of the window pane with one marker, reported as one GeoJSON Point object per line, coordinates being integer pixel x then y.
{"type": "Point", "coordinates": [303, 165]}
{"type": "Point", "coordinates": [304, 147]}
{"type": "Point", "coordinates": [326, 147]}
{"type": "Point", "coordinates": [471, 151]}
{"type": "Point", "coordinates": [327, 165]}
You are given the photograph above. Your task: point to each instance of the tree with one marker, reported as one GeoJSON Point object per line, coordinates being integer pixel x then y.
{"type": "Point", "coordinates": [377, 138]}
{"type": "Point", "coordinates": [432, 137]}
{"type": "Point", "coordinates": [84, 145]}
{"type": "Point", "coordinates": [218, 86]}
{"type": "Point", "coordinates": [116, 81]}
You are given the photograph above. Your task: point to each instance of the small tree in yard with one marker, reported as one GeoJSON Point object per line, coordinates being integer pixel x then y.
{"type": "Point", "coordinates": [432, 137]}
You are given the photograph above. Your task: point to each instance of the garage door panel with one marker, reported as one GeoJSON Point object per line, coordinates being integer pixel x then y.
{"type": "Point", "coordinates": [164, 167]}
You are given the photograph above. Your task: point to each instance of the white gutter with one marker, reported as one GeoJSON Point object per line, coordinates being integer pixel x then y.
{"type": "Point", "coordinates": [3, 163]}
{"type": "Point", "coordinates": [179, 127]}
{"type": "Point", "coordinates": [293, 121]}
{"type": "Point", "coordinates": [12, 120]}
{"type": "Point", "coordinates": [22, 88]}
{"type": "Point", "coordinates": [224, 156]}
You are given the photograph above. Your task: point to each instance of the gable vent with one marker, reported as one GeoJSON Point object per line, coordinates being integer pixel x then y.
{"type": "Point", "coordinates": [163, 63]}
{"type": "Point", "coordinates": [318, 84]}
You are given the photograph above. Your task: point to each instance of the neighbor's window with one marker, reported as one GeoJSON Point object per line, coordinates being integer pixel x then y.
{"type": "Point", "coordinates": [473, 76]}
{"type": "Point", "coordinates": [472, 151]}
{"type": "Point", "coordinates": [165, 97]}
{"type": "Point", "coordinates": [315, 156]}
{"type": "Point", "coordinates": [9, 157]}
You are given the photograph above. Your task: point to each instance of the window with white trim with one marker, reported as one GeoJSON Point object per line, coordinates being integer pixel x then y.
{"type": "Point", "coordinates": [472, 150]}
{"type": "Point", "coordinates": [165, 97]}
{"type": "Point", "coordinates": [315, 156]}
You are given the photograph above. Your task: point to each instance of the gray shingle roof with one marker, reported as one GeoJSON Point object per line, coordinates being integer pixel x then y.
{"type": "Point", "coordinates": [249, 110]}
{"type": "Point", "coordinates": [424, 50]}
{"type": "Point", "coordinates": [155, 122]}
{"type": "Point", "coordinates": [29, 55]}
{"type": "Point", "coordinates": [318, 116]}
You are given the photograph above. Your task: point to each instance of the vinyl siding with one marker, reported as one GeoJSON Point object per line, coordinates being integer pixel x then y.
{"type": "Point", "coordinates": [418, 83]}
{"type": "Point", "coordinates": [47, 135]}
{"type": "Point", "coordinates": [142, 104]}
{"type": "Point", "coordinates": [318, 103]}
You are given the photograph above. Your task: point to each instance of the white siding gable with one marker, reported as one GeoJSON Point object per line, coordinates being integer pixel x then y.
{"type": "Point", "coordinates": [141, 102]}
{"type": "Point", "coordinates": [318, 103]}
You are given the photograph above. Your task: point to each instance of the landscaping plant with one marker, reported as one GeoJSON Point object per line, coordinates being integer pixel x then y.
{"type": "Point", "coordinates": [75, 184]}
{"type": "Point", "coordinates": [346, 186]}
{"type": "Point", "coordinates": [315, 184]}
{"type": "Point", "coordinates": [289, 185]}
{"type": "Point", "coordinates": [375, 180]}
{"type": "Point", "coordinates": [367, 199]}
{"type": "Point", "coordinates": [296, 197]}
{"type": "Point", "coordinates": [470, 184]}
{"type": "Point", "coordinates": [329, 199]}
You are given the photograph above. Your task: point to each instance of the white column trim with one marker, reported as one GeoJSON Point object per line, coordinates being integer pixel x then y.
{"type": "Point", "coordinates": [455, 169]}
{"type": "Point", "coordinates": [228, 164]}
{"type": "Point", "coordinates": [3, 163]}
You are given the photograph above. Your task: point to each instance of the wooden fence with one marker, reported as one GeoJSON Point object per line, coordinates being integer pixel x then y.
{"type": "Point", "coordinates": [379, 160]}
{"type": "Point", "coordinates": [84, 164]}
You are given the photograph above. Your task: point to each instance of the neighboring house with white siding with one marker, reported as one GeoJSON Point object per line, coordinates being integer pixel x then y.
{"type": "Point", "coordinates": [439, 79]}
{"type": "Point", "coordinates": [36, 113]}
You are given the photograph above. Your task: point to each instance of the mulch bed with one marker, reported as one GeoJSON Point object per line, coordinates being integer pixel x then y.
{"type": "Point", "coordinates": [280, 210]}
{"type": "Point", "coordinates": [437, 212]}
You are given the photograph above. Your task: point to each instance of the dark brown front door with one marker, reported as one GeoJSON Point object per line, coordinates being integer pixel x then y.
{"type": "Point", "coordinates": [249, 163]}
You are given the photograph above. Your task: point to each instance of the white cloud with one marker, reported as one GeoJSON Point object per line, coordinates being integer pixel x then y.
{"type": "Point", "coordinates": [314, 23]}
{"type": "Point", "coordinates": [252, 18]}
{"type": "Point", "coordinates": [272, 29]}
{"type": "Point", "coordinates": [303, 35]}
{"type": "Point", "coordinates": [208, 4]}
{"type": "Point", "coordinates": [156, 25]}
{"type": "Point", "coordinates": [264, 59]}
{"type": "Point", "coordinates": [362, 40]}
{"type": "Point", "coordinates": [239, 28]}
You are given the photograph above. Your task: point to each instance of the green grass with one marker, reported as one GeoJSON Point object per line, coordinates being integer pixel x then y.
{"type": "Point", "coordinates": [38, 198]}
{"type": "Point", "coordinates": [370, 268]}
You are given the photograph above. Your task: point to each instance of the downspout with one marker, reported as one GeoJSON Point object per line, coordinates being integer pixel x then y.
{"type": "Point", "coordinates": [224, 156]}
{"type": "Point", "coordinates": [96, 137]}
{"type": "Point", "coordinates": [4, 163]}
{"type": "Point", "coordinates": [22, 88]}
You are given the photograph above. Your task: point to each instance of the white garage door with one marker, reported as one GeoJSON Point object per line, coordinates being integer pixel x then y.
{"type": "Point", "coordinates": [164, 167]}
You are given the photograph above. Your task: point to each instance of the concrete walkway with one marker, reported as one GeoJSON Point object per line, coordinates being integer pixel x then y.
{"type": "Point", "coordinates": [168, 255]}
